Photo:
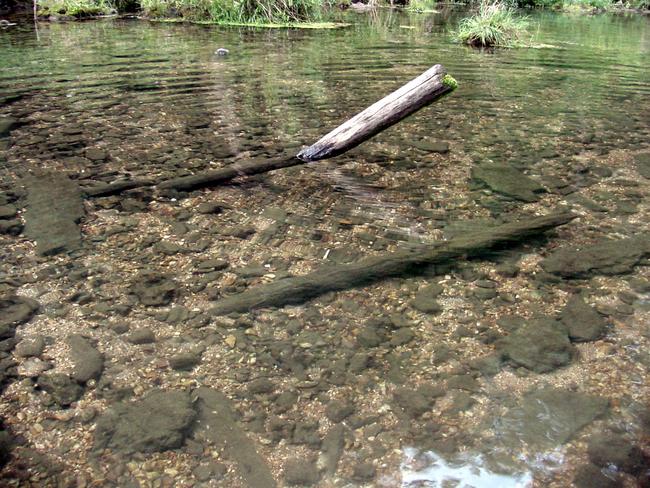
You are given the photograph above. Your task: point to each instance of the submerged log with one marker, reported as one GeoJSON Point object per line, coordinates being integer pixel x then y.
{"type": "Point", "coordinates": [299, 289]}
{"type": "Point", "coordinates": [419, 92]}
{"type": "Point", "coordinates": [416, 94]}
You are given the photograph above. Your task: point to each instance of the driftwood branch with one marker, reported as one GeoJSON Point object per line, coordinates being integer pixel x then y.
{"type": "Point", "coordinates": [299, 289]}
{"type": "Point", "coordinates": [419, 92]}
{"type": "Point", "coordinates": [416, 94]}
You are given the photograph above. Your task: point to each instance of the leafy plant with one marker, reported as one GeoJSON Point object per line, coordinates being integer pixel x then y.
{"type": "Point", "coordinates": [495, 24]}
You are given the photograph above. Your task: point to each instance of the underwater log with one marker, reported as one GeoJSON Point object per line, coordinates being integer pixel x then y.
{"type": "Point", "coordinates": [299, 289]}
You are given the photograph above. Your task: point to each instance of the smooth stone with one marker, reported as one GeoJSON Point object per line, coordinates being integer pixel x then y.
{"type": "Point", "coordinates": [643, 164]}
{"type": "Point", "coordinates": [11, 227]}
{"type": "Point", "coordinates": [87, 360]}
{"type": "Point", "coordinates": [338, 411]}
{"type": "Point", "coordinates": [8, 211]}
{"type": "Point", "coordinates": [615, 450]}
{"type": "Point", "coordinates": [154, 289]}
{"type": "Point", "coordinates": [141, 336]}
{"type": "Point", "coordinates": [158, 422]}
{"type": "Point", "coordinates": [63, 390]}
{"type": "Point", "coordinates": [29, 347]}
{"type": "Point", "coordinates": [584, 323]}
{"type": "Point", "coordinates": [301, 472]}
{"type": "Point", "coordinates": [184, 361]}
{"type": "Point", "coordinates": [508, 181]}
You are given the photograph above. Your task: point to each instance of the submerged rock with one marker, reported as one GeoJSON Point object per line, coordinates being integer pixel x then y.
{"type": "Point", "coordinates": [540, 345]}
{"type": "Point", "coordinates": [582, 321]}
{"type": "Point", "coordinates": [63, 390]}
{"type": "Point", "coordinates": [550, 417]}
{"type": "Point", "coordinates": [607, 257]}
{"type": "Point", "coordinates": [614, 450]}
{"type": "Point", "coordinates": [508, 181]}
{"type": "Point", "coordinates": [301, 472]}
{"type": "Point", "coordinates": [15, 310]}
{"type": "Point", "coordinates": [643, 164]}
{"type": "Point", "coordinates": [158, 422]}
{"type": "Point", "coordinates": [154, 289]}
{"type": "Point", "coordinates": [88, 361]}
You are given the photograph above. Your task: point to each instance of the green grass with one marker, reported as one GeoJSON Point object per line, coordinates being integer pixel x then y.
{"type": "Point", "coordinates": [495, 24]}
{"type": "Point", "coordinates": [236, 12]}
{"type": "Point", "coordinates": [74, 8]}
{"type": "Point", "coordinates": [422, 6]}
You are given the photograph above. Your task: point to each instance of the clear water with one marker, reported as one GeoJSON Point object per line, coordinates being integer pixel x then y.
{"type": "Point", "coordinates": [159, 100]}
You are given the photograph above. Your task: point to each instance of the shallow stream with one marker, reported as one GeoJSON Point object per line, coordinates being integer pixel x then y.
{"type": "Point", "coordinates": [524, 366]}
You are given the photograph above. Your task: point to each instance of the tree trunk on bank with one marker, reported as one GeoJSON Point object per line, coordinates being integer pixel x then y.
{"type": "Point", "coordinates": [299, 289]}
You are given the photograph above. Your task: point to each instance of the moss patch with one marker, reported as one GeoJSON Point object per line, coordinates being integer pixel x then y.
{"type": "Point", "coordinates": [450, 81]}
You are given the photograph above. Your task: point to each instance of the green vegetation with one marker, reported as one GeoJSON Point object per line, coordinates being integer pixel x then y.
{"type": "Point", "coordinates": [74, 8]}
{"type": "Point", "coordinates": [235, 12]}
{"type": "Point", "coordinates": [495, 24]}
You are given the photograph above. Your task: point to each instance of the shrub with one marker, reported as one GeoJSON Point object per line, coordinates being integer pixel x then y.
{"type": "Point", "coordinates": [495, 24]}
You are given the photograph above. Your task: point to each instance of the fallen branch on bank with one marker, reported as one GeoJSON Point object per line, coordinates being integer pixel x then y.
{"type": "Point", "coordinates": [299, 289]}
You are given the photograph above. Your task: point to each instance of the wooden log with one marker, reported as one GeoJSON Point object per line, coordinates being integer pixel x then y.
{"type": "Point", "coordinates": [114, 188]}
{"type": "Point", "coordinates": [221, 175]}
{"type": "Point", "coordinates": [419, 92]}
{"type": "Point", "coordinates": [299, 289]}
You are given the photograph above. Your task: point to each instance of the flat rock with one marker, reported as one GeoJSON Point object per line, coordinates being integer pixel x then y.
{"type": "Point", "coordinates": [550, 417]}
{"type": "Point", "coordinates": [583, 322]}
{"type": "Point", "coordinates": [540, 345]}
{"type": "Point", "coordinates": [87, 360]}
{"type": "Point", "coordinates": [54, 209]}
{"type": "Point", "coordinates": [607, 257]}
{"type": "Point", "coordinates": [158, 422]}
{"type": "Point", "coordinates": [508, 181]}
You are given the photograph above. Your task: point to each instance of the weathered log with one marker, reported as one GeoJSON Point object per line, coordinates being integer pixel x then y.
{"type": "Point", "coordinates": [419, 92]}
{"type": "Point", "coordinates": [299, 289]}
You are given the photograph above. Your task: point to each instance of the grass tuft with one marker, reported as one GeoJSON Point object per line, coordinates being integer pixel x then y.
{"type": "Point", "coordinates": [495, 24]}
